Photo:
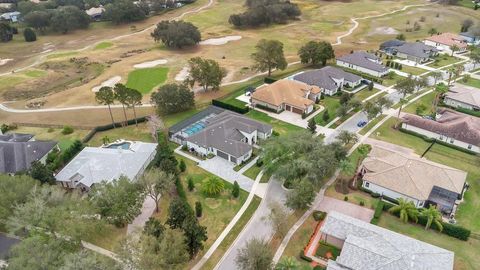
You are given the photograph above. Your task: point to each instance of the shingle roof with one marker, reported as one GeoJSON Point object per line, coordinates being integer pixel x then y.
{"type": "Point", "coordinates": [369, 246]}
{"type": "Point", "coordinates": [94, 164]}
{"type": "Point", "coordinates": [17, 152]}
{"type": "Point", "coordinates": [448, 39]}
{"type": "Point", "coordinates": [409, 175]}
{"type": "Point", "coordinates": [459, 126]}
{"type": "Point", "coordinates": [286, 91]}
{"type": "Point", "coordinates": [363, 59]}
{"type": "Point", "coordinates": [465, 94]}
{"type": "Point", "coordinates": [324, 77]}
{"type": "Point", "coordinates": [224, 133]}
{"type": "Point", "coordinates": [391, 43]}
{"type": "Point", "coordinates": [417, 49]}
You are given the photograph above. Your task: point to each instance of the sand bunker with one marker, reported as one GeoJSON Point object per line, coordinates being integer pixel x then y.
{"type": "Point", "coordinates": [384, 31]}
{"type": "Point", "coordinates": [110, 83]}
{"type": "Point", "coordinates": [220, 41]}
{"type": "Point", "coordinates": [183, 74]}
{"type": "Point", "coordinates": [151, 64]}
{"type": "Point", "coordinates": [4, 61]}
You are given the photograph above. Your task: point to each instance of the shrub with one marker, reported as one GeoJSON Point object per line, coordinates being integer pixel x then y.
{"type": "Point", "coordinates": [318, 267]}
{"type": "Point", "coordinates": [235, 189]}
{"type": "Point", "coordinates": [387, 206]}
{"type": "Point", "coordinates": [378, 209]}
{"type": "Point", "coordinates": [184, 148]}
{"type": "Point", "coordinates": [345, 198]}
{"type": "Point", "coordinates": [182, 166]}
{"type": "Point", "coordinates": [213, 186]}
{"type": "Point", "coordinates": [374, 221]}
{"type": "Point", "coordinates": [29, 35]}
{"type": "Point", "coordinates": [259, 163]}
{"type": "Point", "coordinates": [392, 200]}
{"type": "Point", "coordinates": [221, 104]}
{"type": "Point", "coordinates": [198, 209]}
{"type": "Point", "coordinates": [269, 80]}
{"type": "Point", "coordinates": [190, 184]}
{"type": "Point", "coordinates": [362, 203]}
{"type": "Point", "coordinates": [456, 231]}
{"type": "Point", "coordinates": [319, 215]}
{"type": "Point", "coordinates": [275, 133]}
{"type": "Point", "coordinates": [325, 115]}
{"type": "Point", "coordinates": [375, 195]}
{"type": "Point", "coordinates": [67, 130]}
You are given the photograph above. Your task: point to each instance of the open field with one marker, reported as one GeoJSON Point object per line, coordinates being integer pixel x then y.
{"type": "Point", "coordinates": [145, 79]}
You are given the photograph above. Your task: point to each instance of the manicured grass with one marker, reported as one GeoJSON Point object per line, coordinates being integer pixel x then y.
{"type": "Point", "coordinates": [472, 82]}
{"type": "Point", "coordinates": [325, 248]}
{"type": "Point", "coordinates": [252, 172]}
{"type": "Point", "coordinates": [103, 45]}
{"type": "Point", "coordinates": [172, 119]}
{"type": "Point", "coordinates": [390, 80]}
{"type": "Point", "coordinates": [278, 126]}
{"type": "Point", "coordinates": [331, 104]}
{"type": "Point", "coordinates": [145, 79]}
{"type": "Point", "coordinates": [426, 102]}
{"type": "Point", "coordinates": [365, 93]}
{"type": "Point", "coordinates": [466, 253]}
{"type": "Point", "coordinates": [35, 73]}
{"type": "Point", "coordinates": [371, 124]}
{"type": "Point", "coordinates": [443, 60]}
{"type": "Point", "coordinates": [467, 214]}
{"type": "Point", "coordinates": [109, 238]}
{"type": "Point", "coordinates": [133, 133]}
{"type": "Point", "coordinates": [299, 240]}
{"type": "Point", "coordinates": [61, 55]}
{"type": "Point", "coordinates": [466, 3]}
{"type": "Point", "coordinates": [413, 70]}
{"type": "Point", "coordinates": [54, 134]}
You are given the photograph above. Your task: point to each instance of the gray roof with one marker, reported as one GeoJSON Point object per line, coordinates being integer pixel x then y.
{"type": "Point", "coordinates": [368, 246]}
{"type": "Point", "coordinates": [417, 49]}
{"type": "Point", "coordinates": [324, 77]}
{"type": "Point", "coordinates": [195, 118]}
{"type": "Point", "coordinates": [95, 164]}
{"type": "Point", "coordinates": [224, 133]}
{"type": "Point", "coordinates": [391, 43]}
{"type": "Point", "coordinates": [17, 152]}
{"type": "Point", "coordinates": [365, 60]}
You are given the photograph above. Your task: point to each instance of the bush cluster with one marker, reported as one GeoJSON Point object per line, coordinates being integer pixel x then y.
{"type": "Point", "coordinates": [221, 104]}
{"type": "Point", "coordinates": [265, 12]}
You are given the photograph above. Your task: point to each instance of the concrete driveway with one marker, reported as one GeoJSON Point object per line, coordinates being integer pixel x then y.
{"type": "Point", "coordinates": [224, 169]}
{"type": "Point", "coordinates": [331, 204]}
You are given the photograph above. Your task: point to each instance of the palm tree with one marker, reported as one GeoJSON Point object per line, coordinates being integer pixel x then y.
{"type": "Point", "coordinates": [440, 90]}
{"type": "Point", "coordinates": [346, 166]}
{"type": "Point", "coordinates": [287, 263]}
{"type": "Point", "coordinates": [106, 96]}
{"type": "Point", "coordinates": [454, 48]}
{"type": "Point", "coordinates": [433, 216]}
{"type": "Point", "coordinates": [436, 75]}
{"type": "Point", "coordinates": [407, 210]}
{"type": "Point", "coordinates": [121, 94]}
{"type": "Point", "coordinates": [402, 102]}
{"type": "Point", "coordinates": [475, 57]}
{"type": "Point", "coordinates": [134, 98]}
{"type": "Point", "coordinates": [450, 71]}
{"type": "Point", "coordinates": [458, 71]}
{"type": "Point", "coordinates": [213, 186]}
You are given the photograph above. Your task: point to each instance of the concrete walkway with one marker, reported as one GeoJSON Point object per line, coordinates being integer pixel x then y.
{"type": "Point", "coordinates": [138, 223]}
{"type": "Point", "coordinates": [248, 166]}
{"type": "Point", "coordinates": [100, 250]}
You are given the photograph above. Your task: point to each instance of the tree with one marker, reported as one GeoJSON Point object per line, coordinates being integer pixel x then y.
{"type": "Point", "coordinates": [173, 98]}
{"type": "Point", "coordinates": [278, 217]}
{"type": "Point", "coordinates": [153, 227]}
{"type": "Point", "coordinates": [182, 166]}
{"type": "Point", "coordinates": [176, 34]}
{"type": "Point", "coordinates": [433, 216]}
{"type": "Point", "coordinates": [6, 32]}
{"type": "Point", "coordinates": [466, 24]}
{"type": "Point", "coordinates": [213, 186]}
{"type": "Point", "coordinates": [406, 86]}
{"type": "Point", "coordinates": [312, 125]}
{"type": "Point", "coordinates": [255, 255]}
{"type": "Point", "coordinates": [454, 48]}
{"type": "Point", "coordinates": [400, 37]}
{"type": "Point", "coordinates": [370, 86]}
{"type": "Point", "coordinates": [198, 209]}
{"type": "Point", "coordinates": [29, 35]}
{"type": "Point", "coordinates": [316, 52]}
{"type": "Point", "coordinates": [371, 110]}
{"type": "Point", "coordinates": [156, 183]}
{"type": "Point", "coordinates": [402, 103]}
{"type": "Point", "coordinates": [134, 98]}
{"type": "Point", "coordinates": [164, 158]}
{"type": "Point", "coordinates": [195, 235]}
{"type": "Point", "coordinates": [178, 211]}
{"type": "Point", "coordinates": [347, 137]}
{"type": "Point", "coordinates": [346, 167]}
{"type": "Point", "coordinates": [106, 96]}
{"type": "Point", "coordinates": [436, 75]}
{"type": "Point", "coordinates": [269, 55]}
{"type": "Point", "coordinates": [475, 57]}
{"type": "Point", "coordinates": [84, 259]}
{"type": "Point", "coordinates": [119, 201]}
{"type": "Point", "coordinates": [406, 209]}
{"type": "Point", "coordinates": [432, 31]}
{"type": "Point", "coordinates": [15, 190]}
{"type": "Point", "coordinates": [39, 20]}
{"type": "Point", "coordinates": [121, 94]}
{"type": "Point", "coordinates": [42, 173]}
{"type": "Point", "coordinates": [265, 13]}
{"type": "Point", "coordinates": [67, 18]}
{"type": "Point", "coordinates": [440, 90]}
{"type": "Point", "coordinates": [190, 184]}
{"type": "Point", "coordinates": [173, 250]}
{"type": "Point", "coordinates": [235, 189]}
{"type": "Point", "coordinates": [302, 195]}
{"type": "Point", "coordinates": [206, 72]}
{"type": "Point", "coordinates": [325, 116]}
{"type": "Point", "coordinates": [287, 263]}
{"type": "Point", "coordinates": [123, 11]}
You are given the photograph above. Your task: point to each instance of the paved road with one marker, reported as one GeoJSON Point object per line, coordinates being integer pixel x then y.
{"type": "Point", "coordinates": [257, 226]}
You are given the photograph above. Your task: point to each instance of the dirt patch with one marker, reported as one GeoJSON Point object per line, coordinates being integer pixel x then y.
{"type": "Point", "coordinates": [4, 61]}
{"type": "Point", "coordinates": [183, 74]}
{"type": "Point", "coordinates": [151, 64]}
{"type": "Point", "coordinates": [212, 203]}
{"type": "Point", "coordinates": [61, 75]}
{"type": "Point", "coordinates": [384, 30]}
{"type": "Point", "coordinates": [220, 41]}
{"type": "Point", "coordinates": [109, 83]}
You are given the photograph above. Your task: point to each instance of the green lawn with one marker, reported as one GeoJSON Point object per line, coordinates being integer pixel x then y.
{"type": "Point", "coordinates": [466, 253]}
{"type": "Point", "coordinates": [103, 45]}
{"type": "Point", "coordinates": [61, 55]}
{"type": "Point", "coordinates": [252, 172]}
{"type": "Point", "coordinates": [365, 93]}
{"type": "Point", "coordinates": [413, 70]}
{"type": "Point", "coordinates": [140, 133]}
{"type": "Point", "coordinates": [145, 79]}
{"type": "Point", "coordinates": [331, 104]}
{"type": "Point", "coordinates": [55, 134]}
{"type": "Point", "coordinates": [278, 126]}
{"type": "Point", "coordinates": [467, 214]}
{"type": "Point", "coordinates": [425, 103]}
{"type": "Point", "coordinates": [466, 3]}
{"type": "Point", "coordinates": [371, 124]}
{"type": "Point", "coordinates": [443, 60]}
{"type": "Point", "coordinates": [325, 249]}
{"type": "Point", "coordinates": [472, 82]}
{"type": "Point", "coordinates": [390, 80]}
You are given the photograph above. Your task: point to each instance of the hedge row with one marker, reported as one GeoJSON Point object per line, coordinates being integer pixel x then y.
{"type": "Point", "coordinates": [266, 108]}
{"type": "Point", "coordinates": [96, 129]}
{"type": "Point", "coordinates": [269, 80]}
{"type": "Point", "coordinates": [319, 215]}
{"type": "Point", "coordinates": [221, 104]}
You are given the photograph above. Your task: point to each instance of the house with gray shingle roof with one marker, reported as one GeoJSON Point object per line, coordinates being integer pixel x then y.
{"type": "Point", "coordinates": [462, 96]}
{"type": "Point", "coordinates": [329, 79]}
{"type": "Point", "coordinates": [364, 62]}
{"type": "Point", "coordinates": [413, 51]}
{"type": "Point", "coordinates": [18, 151]}
{"type": "Point", "coordinates": [367, 246]}
{"type": "Point", "coordinates": [222, 133]}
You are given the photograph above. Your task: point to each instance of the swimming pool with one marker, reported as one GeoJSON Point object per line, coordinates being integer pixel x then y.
{"type": "Point", "coordinates": [122, 145]}
{"type": "Point", "coordinates": [194, 128]}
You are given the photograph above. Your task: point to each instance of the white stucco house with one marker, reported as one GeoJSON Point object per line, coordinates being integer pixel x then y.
{"type": "Point", "coordinates": [444, 42]}
{"type": "Point", "coordinates": [462, 96]}
{"type": "Point", "coordinates": [364, 62]}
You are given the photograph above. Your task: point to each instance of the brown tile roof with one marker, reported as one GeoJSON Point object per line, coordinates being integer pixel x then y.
{"type": "Point", "coordinates": [286, 91]}
{"type": "Point", "coordinates": [449, 39]}
{"type": "Point", "coordinates": [410, 175]}
{"type": "Point", "coordinates": [459, 126]}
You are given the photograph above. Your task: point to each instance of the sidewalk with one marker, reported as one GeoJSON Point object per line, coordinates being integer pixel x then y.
{"type": "Point", "coordinates": [138, 223]}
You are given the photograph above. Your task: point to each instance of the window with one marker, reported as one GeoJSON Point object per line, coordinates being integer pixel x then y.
{"type": "Point", "coordinates": [451, 140]}
{"type": "Point", "coordinates": [469, 146]}
{"type": "Point", "coordinates": [441, 137]}
{"type": "Point", "coordinates": [367, 184]}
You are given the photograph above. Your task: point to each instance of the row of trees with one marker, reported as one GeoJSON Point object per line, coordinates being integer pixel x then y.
{"type": "Point", "coordinates": [62, 19]}
{"type": "Point", "coordinates": [265, 12]}
{"type": "Point", "coordinates": [127, 97]}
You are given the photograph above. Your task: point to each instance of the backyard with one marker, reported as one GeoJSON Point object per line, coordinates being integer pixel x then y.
{"type": "Point", "coordinates": [133, 133]}
{"type": "Point", "coordinates": [331, 105]}
{"type": "Point", "coordinates": [54, 134]}
{"type": "Point", "coordinates": [145, 79]}
{"type": "Point", "coordinates": [278, 126]}
{"type": "Point", "coordinates": [444, 60]}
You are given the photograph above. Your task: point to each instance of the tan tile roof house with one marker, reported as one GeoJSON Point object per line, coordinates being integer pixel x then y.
{"type": "Point", "coordinates": [451, 127]}
{"type": "Point", "coordinates": [464, 97]}
{"type": "Point", "coordinates": [398, 175]}
{"type": "Point", "coordinates": [447, 40]}
{"type": "Point", "coordinates": [287, 95]}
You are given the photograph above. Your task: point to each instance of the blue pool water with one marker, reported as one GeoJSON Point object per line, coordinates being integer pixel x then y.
{"type": "Point", "coordinates": [123, 145]}
{"type": "Point", "coordinates": [194, 128]}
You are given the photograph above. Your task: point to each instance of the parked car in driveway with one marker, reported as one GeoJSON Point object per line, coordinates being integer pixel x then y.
{"type": "Point", "coordinates": [361, 123]}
